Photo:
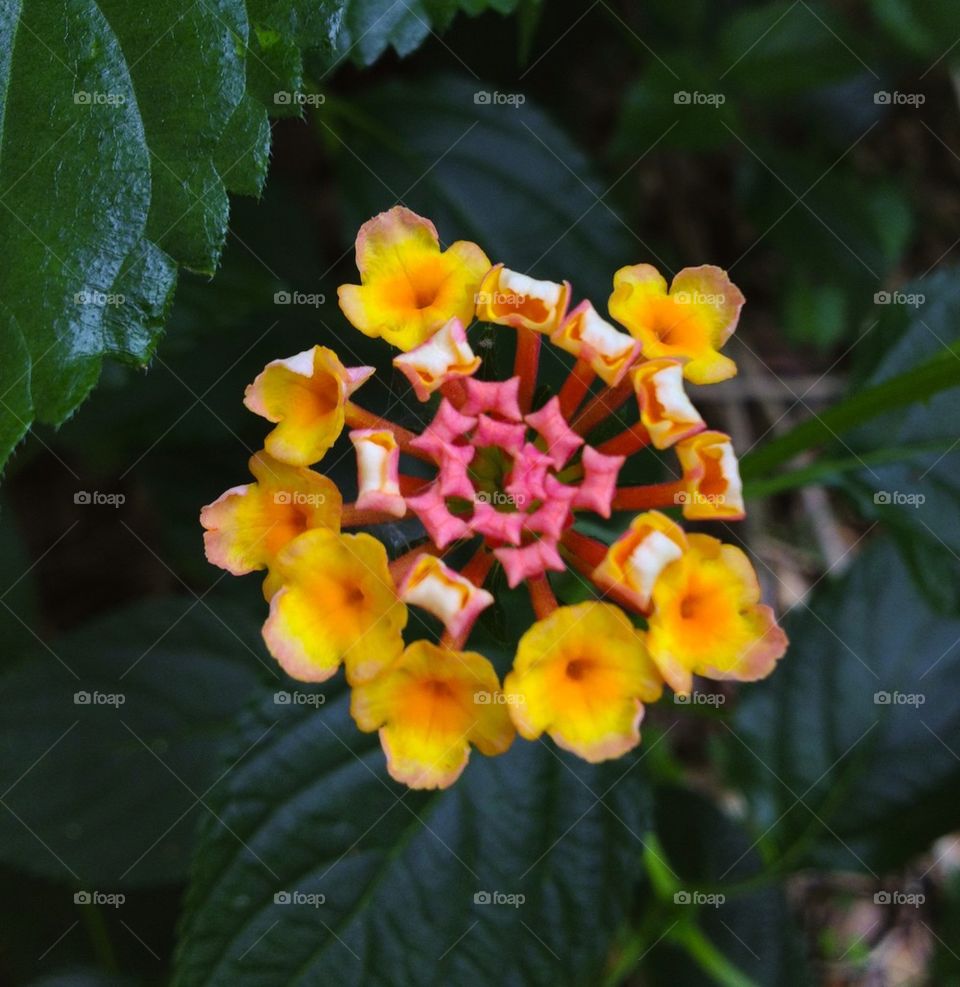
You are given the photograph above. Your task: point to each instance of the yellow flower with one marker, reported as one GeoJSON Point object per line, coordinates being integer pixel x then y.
{"type": "Point", "coordinates": [247, 526]}
{"type": "Point", "coordinates": [582, 675]}
{"type": "Point", "coordinates": [711, 474]}
{"type": "Point", "coordinates": [333, 601]}
{"type": "Point", "coordinates": [430, 705]}
{"type": "Point", "coordinates": [707, 619]}
{"type": "Point", "coordinates": [509, 298]}
{"type": "Point", "coordinates": [635, 560]}
{"type": "Point", "coordinates": [409, 287]}
{"type": "Point", "coordinates": [690, 322]}
{"type": "Point", "coordinates": [305, 395]}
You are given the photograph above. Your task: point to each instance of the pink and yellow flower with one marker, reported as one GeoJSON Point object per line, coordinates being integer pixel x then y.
{"type": "Point", "coordinates": [689, 322]}
{"type": "Point", "coordinates": [707, 618]}
{"type": "Point", "coordinates": [334, 603]}
{"type": "Point", "coordinates": [430, 706]}
{"type": "Point", "coordinates": [306, 396]}
{"type": "Point", "coordinates": [246, 527]}
{"type": "Point", "coordinates": [509, 298]}
{"type": "Point", "coordinates": [409, 287]}
{"type": "Point", "coordinates": [496, 483]}
{"type": "Point", "coordinates": [582, 676]}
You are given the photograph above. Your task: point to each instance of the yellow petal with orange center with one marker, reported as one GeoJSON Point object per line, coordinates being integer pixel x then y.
{"type": "Point", "coordinates": [707, 618]}
{"type": "Point", "coordinates": [582, 675]}
{"type": "Point", "coordinates": [635, 560]}
{"type": "Point", "coordinates": [711, 474]}
{"type": "Point", "coordinates": [305, 395]}
{"type": "Point", "coordinates": [409, 287]}
{"type": "Point", "coordinates": [690, 322]}
{"type": "Point", "coordinates": [430, 705]}
{"type": "Point", "coordinates": [248, 526]}
{"type": "Point", "coordinates": [334, 602]}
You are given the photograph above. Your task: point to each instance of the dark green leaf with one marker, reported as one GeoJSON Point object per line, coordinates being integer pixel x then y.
{"type": "Point", "coordinates": [310, 810]}
{"type": "Point", "coordinates": [849, 754]}
{"type": "Point", "coordinates": [105, 793]}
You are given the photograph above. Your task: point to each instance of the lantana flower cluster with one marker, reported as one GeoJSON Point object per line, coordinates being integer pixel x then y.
{"type": "Point", "coordinates": [505, 473]}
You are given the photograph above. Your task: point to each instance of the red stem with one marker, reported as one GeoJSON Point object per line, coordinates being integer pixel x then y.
{"type": "Point", "coordinates": [646, 497]}
{"type": "Point", "coordinates": [525, 365]}
{"type": "Point", "coordinates": [635, 438]}
{"type": "Point", "coordinates": [575, 387]}
{"type": "Point", "coordinates": [358, 517]}
{"type": "Point", "coordinates": [603, 404]}
{"type": "Point", "coordinates": [541, 596]}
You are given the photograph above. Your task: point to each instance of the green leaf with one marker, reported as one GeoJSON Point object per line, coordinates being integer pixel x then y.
{"type": "Point", "coordinates": [104, 794]}
{"type": "Point", "coordinates": [918, 498]}
{"type": "Point", "coordinates": [936, 374]}
{"type": "Point", "coordinates": [498, 173]}
{"type": "Point", "coordinates": [372, 26]}
{"type": "Point", "coordinates": [309, 810]}
{"type": "Point", "coordinates": [848, 754]}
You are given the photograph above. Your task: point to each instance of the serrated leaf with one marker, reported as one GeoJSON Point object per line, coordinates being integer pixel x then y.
{"type": "Point", "coordinates": [849, 754]}
{"type": "Point", "coordinates": [399, 870]}
{"type": "Point", "coordinates": [104, 794]}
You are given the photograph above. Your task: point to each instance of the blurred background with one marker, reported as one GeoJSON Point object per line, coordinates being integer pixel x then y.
{"type": "Point", "coordinates": [811, 149]}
